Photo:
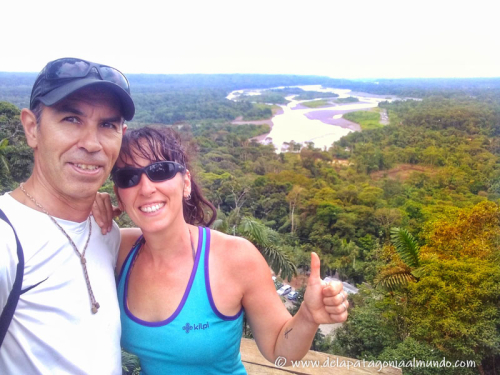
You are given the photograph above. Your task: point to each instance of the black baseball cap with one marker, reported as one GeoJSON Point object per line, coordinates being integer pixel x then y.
{"type": "Point", "coordinates": [61, 78]}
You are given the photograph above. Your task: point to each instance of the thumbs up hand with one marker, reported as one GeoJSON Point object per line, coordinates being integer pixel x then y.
{"type": "Point", "coordinates": [326, 302]}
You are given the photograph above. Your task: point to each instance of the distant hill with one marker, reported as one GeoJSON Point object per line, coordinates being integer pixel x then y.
{"type": "Point", "coordinates": [180, 98]}
{"type": "Point", "coordinates": [16, 87]}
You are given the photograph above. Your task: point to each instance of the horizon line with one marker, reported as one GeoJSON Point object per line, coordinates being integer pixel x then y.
{"type": "Point", "coordinates": [295, 74]}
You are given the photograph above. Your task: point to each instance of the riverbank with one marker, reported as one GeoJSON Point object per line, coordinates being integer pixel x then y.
{"type": "Point", "coordinates": [330, 117]}
{"type": "Point", "coordinates": [322, 126]}
{"type": "Point", "coordinates": [269, 122]}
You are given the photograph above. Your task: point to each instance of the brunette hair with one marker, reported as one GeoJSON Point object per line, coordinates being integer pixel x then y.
{"type": "Point", "coordinates": [165, 144]}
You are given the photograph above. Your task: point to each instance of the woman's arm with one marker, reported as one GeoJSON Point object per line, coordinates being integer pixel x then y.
{"type": "Point", "coordinates": [104, 212]}
{"type": "Point", "coordinates": [323, 304]}
{"type": "Point", "coordinates": [276, 332]}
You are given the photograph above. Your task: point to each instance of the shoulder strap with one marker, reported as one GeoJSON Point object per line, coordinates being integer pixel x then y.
{"type": "Point", "coordinates": [130, 258]}
{"type": "Point", "coordinates": [10, 307]}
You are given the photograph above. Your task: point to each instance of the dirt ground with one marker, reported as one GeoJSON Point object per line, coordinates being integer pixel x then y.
{"type": "Point", "coordinates": [402, 172]}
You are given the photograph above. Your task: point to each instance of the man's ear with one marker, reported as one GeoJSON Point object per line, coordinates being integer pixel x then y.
{"type": "Point", "coordinates": [124, 128]}
{"type": "Point", "coordinates": [28, 119]}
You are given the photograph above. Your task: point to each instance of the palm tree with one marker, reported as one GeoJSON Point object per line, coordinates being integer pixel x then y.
{"type": "Point", "coordinates": [130, 364]}
{"type": "Point", "coordinates": [265, 240]}
{"type": "Point", "coordinates": [3, 160]}
{"type": "Point", "coordinates": [409, 252]}
{"type": "Point", "coordinates": [350, 250]}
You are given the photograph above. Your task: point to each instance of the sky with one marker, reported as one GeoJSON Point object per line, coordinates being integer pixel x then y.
{"type": "Point", "coordinates": [340, 39]}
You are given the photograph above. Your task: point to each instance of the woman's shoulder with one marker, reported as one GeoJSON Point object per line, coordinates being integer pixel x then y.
{"type": "Point", "coordinates": [239, 260]}
{"type": "Point", "coordinates": [128, 237]}
{"type": "Point", "coordinates": [227, 241]}
{"type": "Point", "coordinates": [234, 249]}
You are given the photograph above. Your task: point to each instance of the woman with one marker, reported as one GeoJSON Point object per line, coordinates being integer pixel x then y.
{"type": "Point", "coordinates": [183, 288]}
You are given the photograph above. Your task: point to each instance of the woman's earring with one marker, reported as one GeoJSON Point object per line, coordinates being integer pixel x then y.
{"type": "Point", "coordinates": [188, 197]}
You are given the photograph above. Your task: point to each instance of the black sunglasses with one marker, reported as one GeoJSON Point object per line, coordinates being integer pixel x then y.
{"type": "Point", "coordinates": [128, 177]}
{"type": "Point", "coordinates": [77, 68]}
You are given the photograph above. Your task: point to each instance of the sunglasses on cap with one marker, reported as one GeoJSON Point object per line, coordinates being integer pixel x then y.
{"type": "Point", "coordinates": [128, 177]}
{"type": "Point", "coordinates": [78, 68]}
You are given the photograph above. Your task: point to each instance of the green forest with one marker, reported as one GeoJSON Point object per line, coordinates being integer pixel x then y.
{"type": "Point", "coordinates": [408, 212]}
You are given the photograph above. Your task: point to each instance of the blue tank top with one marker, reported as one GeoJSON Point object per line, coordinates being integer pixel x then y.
{"type": "Point", "coordinates": [196, 339]}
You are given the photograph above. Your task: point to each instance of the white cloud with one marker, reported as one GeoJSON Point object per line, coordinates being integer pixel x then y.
{"type": "Point", "coordinates": [336, 38]}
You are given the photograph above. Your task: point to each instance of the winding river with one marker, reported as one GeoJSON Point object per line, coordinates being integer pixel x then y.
{"type": "Point", "coordinates": [322, 126]}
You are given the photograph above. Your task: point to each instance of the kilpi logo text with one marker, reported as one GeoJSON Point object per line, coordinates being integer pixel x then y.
{"type": "Point", "coordinates": [197, 327]}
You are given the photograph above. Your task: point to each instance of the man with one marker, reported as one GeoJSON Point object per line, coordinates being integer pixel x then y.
{"type": "Point", "coordinates": [66, 320]}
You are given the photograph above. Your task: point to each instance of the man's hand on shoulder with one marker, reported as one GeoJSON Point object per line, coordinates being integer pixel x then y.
{"type": "Point", "coordinates": [104, 212]}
